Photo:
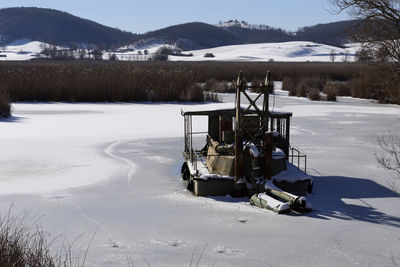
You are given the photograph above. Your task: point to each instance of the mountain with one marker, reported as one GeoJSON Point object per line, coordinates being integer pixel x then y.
{"type": "Point", "coordinates": [56, 27]}
{"type": "Point", "coordinates": [195, 35]}
{"type": "Point", "coordinates": [334, 33]}
{"type": "Point", "coordinates": [191, 36]}
{"type": "Point", "coordinates": [61, 28]}
{"type": "Point", "coordinates": [250, 34]}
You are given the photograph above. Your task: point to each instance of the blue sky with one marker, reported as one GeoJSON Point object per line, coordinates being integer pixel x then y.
{"type": "Point", "coordinates": [145, 15]}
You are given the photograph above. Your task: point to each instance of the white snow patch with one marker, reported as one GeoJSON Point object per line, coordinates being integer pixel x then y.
{"type": "Point", "coordinates": [159, 159]}
{"type": "Point", "coordinates": [292, 174]}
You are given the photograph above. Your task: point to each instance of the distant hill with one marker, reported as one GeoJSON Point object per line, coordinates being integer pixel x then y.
{"type": "Point", "coordinates": [56, 27]}
{"type": "Point", "coordinates": [334, 33]}
{"type": "Point", "coordinates": [60, 28]}
{"type": "Point", "coordinates": [191, 36]}
{"type": "Point", "coordinates": [259, 35]}
{"type": "Point", "coordinates": [195, 35]}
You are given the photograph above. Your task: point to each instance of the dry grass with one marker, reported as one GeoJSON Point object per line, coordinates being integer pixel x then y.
{"type": "Point", "coordinates": [115, 81]}
{"type": "Point", "coordinates": [107, 81]}
{"type": "Point", "coordinates": [23, 243]}
{"type": "Point", "coordinates": [314, 94]}
{"type": "Point", "coordinates": [213, 85]}
{"type": "Point", "coordinates": [5, 106]}
{"type": "Point", "coordinates": [331, 91]}
{"type": "Point", "coordinates": [369, 82]}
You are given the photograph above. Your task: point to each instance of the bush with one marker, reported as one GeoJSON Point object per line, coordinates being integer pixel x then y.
{"type": "Point", "coordinates": [314, 94]}
{"type": "Point", "coordinates": [302, 88]}
{"type": "Point", "coordinates": [5, 106]}
{"type": "Point", "coordinates": [259, 82]}
{"type": "Point", "coordinates": [307, 86]}
{"type": "Point", "coordinates": [330, 91]}
{"type": "Point", "coordinates": [211, 97]}
{"type": "Point", "coordinates": [213, 85]}
{"type": "Point", "coordinates": [162, 53]}
{"type": "Point", "coordinates": [194, 93]}
{"type": "Point", "coordinates": [289, 84]}
{"type": "Point", "coordinates": [340, 88]}
{"type": "Point", "coordinates": [209, 55]}
{"type": "Point", "coordinates": [209, 85]}
{"type": "Point", "coordinates": [378, 84]}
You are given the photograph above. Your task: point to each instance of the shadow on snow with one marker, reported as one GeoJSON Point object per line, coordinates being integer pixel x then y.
{"type": "Point", "coordinates": [346, 198]}
{"type": "Point", "coordinates": [11, 119]}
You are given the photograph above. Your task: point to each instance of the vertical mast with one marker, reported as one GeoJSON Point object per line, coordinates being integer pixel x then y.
{"type": "Point", "coordinates": [238, 132]}
{"type": "Point", "coordinates": [258, 138]}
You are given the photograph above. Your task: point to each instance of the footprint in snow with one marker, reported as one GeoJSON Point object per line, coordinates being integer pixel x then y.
{"type": "Point", "coordinates": [244, 221]}
{"type": "Point", "coordinates": [58, 196]}
{"type": "Point", "coordinates": [224, 250]}
{"type": "Point", "coordinates": [173, 243]}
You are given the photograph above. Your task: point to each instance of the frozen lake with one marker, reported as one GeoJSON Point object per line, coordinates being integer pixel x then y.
{"type": "Point", "coordinates": [112, 171]}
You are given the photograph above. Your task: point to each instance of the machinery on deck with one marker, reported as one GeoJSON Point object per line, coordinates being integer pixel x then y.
{"type": "Point", "coordinates": [247, 152]}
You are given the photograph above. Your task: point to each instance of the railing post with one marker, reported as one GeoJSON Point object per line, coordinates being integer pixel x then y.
{"type": "Point", "coordinates": [291, 149]}
{"type": "Point", "coordinates": [268, 155]}
{"type": "Point", "coordinates": [238, 155]}
{"type": "Point", "coordinates": [305, 164]}
{"type": "Point", "coordinates": [298, 159]}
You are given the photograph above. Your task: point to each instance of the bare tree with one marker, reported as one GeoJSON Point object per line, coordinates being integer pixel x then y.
{"type": "Point", "coordinates": [332, 55]}
{"type": "Point", "coordinates": [378, 28]}
{"type": "Point", "coordinates": [389, 156]}
{"type": "Point", "coordinates": [346, 55]}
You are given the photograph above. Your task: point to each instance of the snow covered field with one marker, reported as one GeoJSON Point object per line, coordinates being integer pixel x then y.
{"type": "Point", "coordinates": [21, 50]}
{"type": "Point", "coordinates": [112, 171]}
{"type": "Point", "coordinates": [285, 52]}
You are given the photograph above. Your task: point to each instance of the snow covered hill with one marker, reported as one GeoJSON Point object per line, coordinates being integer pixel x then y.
{"type": "Point", "coordinates": [20, 50]}
{"type": "Point", "coordinates": [286, 51]}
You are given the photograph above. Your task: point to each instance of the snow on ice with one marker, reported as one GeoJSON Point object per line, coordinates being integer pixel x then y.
{"type": "Point", "coordinates": [112, 171]}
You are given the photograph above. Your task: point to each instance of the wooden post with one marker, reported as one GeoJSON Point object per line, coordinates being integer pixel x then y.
{"type": "Point", "coordinates": [238, 133]}
{"type": "Point", "coordinates": [238, 155]}
{"type": "Point", "coordinates": [287, 137]}
{"type": "Point", "coordinates": [268, 155]}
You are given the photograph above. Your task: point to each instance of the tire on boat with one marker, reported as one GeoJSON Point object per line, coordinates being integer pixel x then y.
{"type": "Point", "coordinates": [185, 173]}
{"type": "Point", "coordinates": [187, 177]}
{"type": "Point", "coordinates": [310, 188]}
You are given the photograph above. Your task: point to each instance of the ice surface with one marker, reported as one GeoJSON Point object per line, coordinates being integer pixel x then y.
{"type": "Point", "coordinates": [101, 169]}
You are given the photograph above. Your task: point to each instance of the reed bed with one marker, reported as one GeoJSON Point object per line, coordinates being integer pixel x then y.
{"type": "Point", "coordinates": [116, 81]}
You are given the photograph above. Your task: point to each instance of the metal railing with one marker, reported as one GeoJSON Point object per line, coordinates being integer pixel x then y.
{"type": "Point", "coordinates": [190, 152]}
{"type": "Point", "coordinates": [295, 153]}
